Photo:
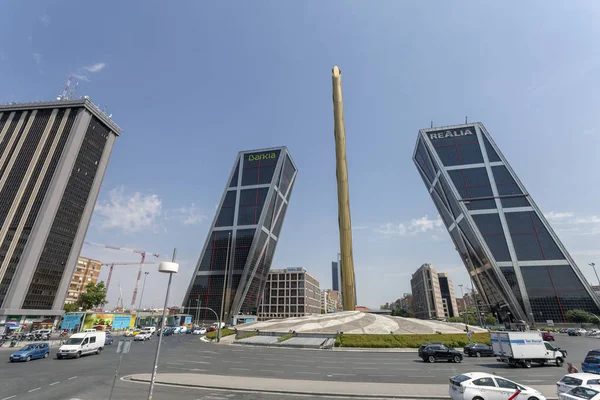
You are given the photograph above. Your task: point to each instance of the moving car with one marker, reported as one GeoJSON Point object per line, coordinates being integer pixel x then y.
{"type": "Point", "coordinates": [199, 331]}
{"type": "Point", "coordinates": [142, 336]}
{"type": "Point", "coordinates": [151, 329]}
{"type": "Point", "coordinates": [570, 381]}
{"type": "Point", "coordinates": [480, 385]}
{"type": "Point", "coordinates": [82, 343]}
{"type": "Point", "coordinates": [31, 352]}
{"type": "Point", "coordinates": [133, 332]}
{"type": "Point", "coordinates": [580, 393]}
{"type": "Point", "coordinates": [591, 363]}
{"type": "Point", "coordinates": [547, 336]}
{"type": "Point", "coordinates": [433, 352]}
{"type": "Point", "coordinates": [478, 350]}
{"type": "Point", "coordinates": [168, 331]}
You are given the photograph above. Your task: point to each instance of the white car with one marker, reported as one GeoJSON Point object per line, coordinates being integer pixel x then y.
{"type": "Point", "coordinates": [151, 329]}
{"type": "Point", "coordinates": [199, 331]}
{"type": "Point", "coordinates": [580, 393]}
{"type": "Point", "coordinates": [570, 381]}
{"type": "Point", "coordinates": [183, 329]}
{"type": "Point", "coordinates": [480, 385]}
{"type": "Point", "coordinates": [142, 336]}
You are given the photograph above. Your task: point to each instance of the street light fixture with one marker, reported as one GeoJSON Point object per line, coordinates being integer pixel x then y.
{"type": "Point", "coordinates": [167, 268]}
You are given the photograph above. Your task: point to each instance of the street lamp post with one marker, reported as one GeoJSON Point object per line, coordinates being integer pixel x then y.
{"type": "Point", "coordinates": [143, 287]}
{"type": "Point", "coordinates": [168, 268]}
{"type": "Point", "coordinates": [198, 303]}
{"type": "Point", "coordinates": [218, 321]}
{"type": "Point", "coordinates": [465, 303]}
{"type": "Point", "coordinates": [593, 265]}
{"type": "Point", "coordinates": [225, 283]}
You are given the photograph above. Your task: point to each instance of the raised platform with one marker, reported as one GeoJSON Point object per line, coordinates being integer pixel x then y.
{"type": "Point", "coordinates": [355, 322]}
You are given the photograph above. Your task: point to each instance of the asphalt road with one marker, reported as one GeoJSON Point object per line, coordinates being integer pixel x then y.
{"type": "Point", "coordinates": [90, 377]}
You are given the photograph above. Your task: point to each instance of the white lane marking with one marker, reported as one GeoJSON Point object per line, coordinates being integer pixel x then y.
{"type": "Point", "coordinates": [214, 397]}
{"type": "Point", "coordinates": [288, 365]}
{"type": "Point", "coordinates": [271, 370]}
{"type": "Point", "coordinates": [342, 374]}
{"type": "Point", "coordinates": [533, 380]}
{"type": "Point", "coordinates": [329, 367]}
{"type": "Point", "coordinates": [307, 373]}
{"type": "Point", "coordinates": [232, 362]}
{"type": "Point", "coordinates": [240, 369]}
{"type": "Point", "coordinates": [386, 376]}
{"type": "Point", "coordinates": [195, 362]}
{"type": "Point", "coordinates": [33, 390]}
{"type": "Point", "coordinates": [73, 377]}
{"type": "Point", "coordinates": [54, 383]}
{"type": "Point", "coordinates": [9, 397]}
{"type": "Point", "coordinates": [422, 376]}
{"type": "Point", "coordinates": [170, 362]}
{"type": "Point", "coordinates": [238, 351]}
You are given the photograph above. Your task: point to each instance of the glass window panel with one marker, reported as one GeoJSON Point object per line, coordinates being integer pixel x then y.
{"type": "Point", "coordinates": [530, 238]}
{"type": "Point", "coordinates": [448, 155]}
{"type": "Point", "coordinates": [422, 159]}
{"type": "Point", "coordinates": [258, 168]}
{"type": "Point", "coordinates": [489, 204]}
{"type": "Point", "coordinates": [511, 202]}
{"type": "Point", "coordinates": [504, 181]}
{"type": "Point", "coordinates": [491, 153]}
{"type": "Point", "coordinates": [236, 173]}
{"type": "Point", "coordinates": [491, 229]}
{"type": "Point", "coordinates": [456, 211]}
{"type": "Point", "coordinates": [470, 153]}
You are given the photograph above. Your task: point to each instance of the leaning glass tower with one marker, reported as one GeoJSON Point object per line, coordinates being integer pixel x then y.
{"type": "Point", "coordinates": [237, 254]}
{"type": "Point", "coordinates": [515, 260]}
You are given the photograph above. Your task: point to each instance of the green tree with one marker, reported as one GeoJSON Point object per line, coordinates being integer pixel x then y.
{"type": "Point", "coordinates": [386, 306]}
{"type": "Point", "coordinates": [490, 319]}
{"type": "Point", "coordinates": [578, 316]}
{"type": "Point", "coordinates": [94, 296]}
{"type": "Point", "coordinates": [72, 307]}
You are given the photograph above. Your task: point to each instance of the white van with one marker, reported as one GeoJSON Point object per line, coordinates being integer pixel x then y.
{"type": "Point", "coordinates": [82, 343]}
{"type": "Point", "coordinates": [150, 328]}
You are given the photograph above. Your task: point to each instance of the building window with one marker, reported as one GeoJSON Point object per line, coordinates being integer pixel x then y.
{"type": "Point", "coordinates": [530, 238]}
{"type": "Point", "coordinates": [491, 229]}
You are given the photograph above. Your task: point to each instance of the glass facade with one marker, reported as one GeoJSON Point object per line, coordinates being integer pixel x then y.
{"type": "Point", "coordinates": [244, 236]}
{"type": "Point", "coordinates": [519, 266]}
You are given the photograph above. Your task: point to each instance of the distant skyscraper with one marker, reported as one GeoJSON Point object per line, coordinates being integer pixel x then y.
{"type": "Point", "coordinates": [426, 294]}
{"type": "Point", "coordinates": [335, 276]}
{"type": "Point", "coordinates": [511, 253]}
{"type": "Point", "coordinates": [244, 234]}
{"type": "Point", "coordinates": [447, 292]}
{"type": "Point", "coordinates": [53, 156]}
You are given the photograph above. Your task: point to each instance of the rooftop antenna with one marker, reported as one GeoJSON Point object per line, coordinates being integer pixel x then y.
{"type": "Point", "coordinates": [465, 119]}
{"type": "Point", "coordinates": [72, 91]}
{"type": "Point", "coordinates": [432, 124]}
{"type": "Point", "coordinates": [65, 90]}
{"type": "Point", "coordinates": [104, 109]}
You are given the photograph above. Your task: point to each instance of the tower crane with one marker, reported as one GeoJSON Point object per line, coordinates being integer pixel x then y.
{"type": "Point", "coordinates": [143, 253]}
{"type": "Point", "coordinates": [112, 265]}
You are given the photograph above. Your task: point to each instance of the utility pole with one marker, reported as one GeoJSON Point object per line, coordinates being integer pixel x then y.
{"type": "Point", "coordinates": [593, 265]}
{"type": "Point", "coordinates": [465, 303]}
{"type": "Point", "coordinates": [224, 284]}
{"type": "Point", "coordinates": [143, 287]}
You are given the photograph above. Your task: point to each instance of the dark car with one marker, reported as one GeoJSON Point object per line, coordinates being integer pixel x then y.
{"type": "Point", "coordinates": [478, 350]}
{"type": "Point", "coordinates": [547, 336]}
{"type": "Point", "coordinates": [168, 331]}
{"type": "Point", "coordinates": [433, 352]}
{"type": "Point", "coordinates": [108, 339]}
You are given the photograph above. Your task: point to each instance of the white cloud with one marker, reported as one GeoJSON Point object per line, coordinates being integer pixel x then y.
{"type": "Point", "coordinates": [129, 212]}
{"type": "Point", "coordinates": [81, 77]}
{"type": "Point", "coordinates": [416, 226]}
{"type": "Point", "coordinates": [186, 215]}
{"type": "Point", "coordinates": [592, 219]}
{"type": "Point", "coordinates": [37, 57]}
{"type": "Point", "coordinates": [558, 216]}
{"type": "Point", "coordinates": [95, 68]}
{"type": "Point", "coordinates": [45, 20]}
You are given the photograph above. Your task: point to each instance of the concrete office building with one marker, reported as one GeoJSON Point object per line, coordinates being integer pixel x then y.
{"type": "Point", "coordinates": [405, 303]}
{"type": "Point", "coordinates": [513, 256]}
{"type": "Point", "coordinates": [426, 293]}
{"type": "Point", "coordinates": [291, 292]}
{"type": "Point", "coordinates": [243, 235]}
{"type": "Point", "coordinates": [86, 272]}
{"type": "Point", "coordinates": [447, 293]}
{"type": "Point", "coordinates": [53, 156]}
{"type": "Point", "coordinates": [330, 300]}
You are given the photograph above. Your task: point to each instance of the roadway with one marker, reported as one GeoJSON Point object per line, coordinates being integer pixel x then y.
{"type": "Point", "coordinates": [90, 377]}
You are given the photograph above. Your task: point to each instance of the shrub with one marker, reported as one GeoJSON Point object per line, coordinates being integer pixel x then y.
{"type": "Point", "coordinates": [224, 332]}
{"type": "Point", "coordinates": [408, 341]}
{"type": "Point", "coordinates": [244, 335]}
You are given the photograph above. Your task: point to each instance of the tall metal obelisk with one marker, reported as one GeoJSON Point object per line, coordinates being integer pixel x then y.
{"type": "Point", "coordinates": [347, 267]}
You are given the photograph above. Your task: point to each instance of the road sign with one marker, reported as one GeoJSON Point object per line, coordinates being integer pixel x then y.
{"type": "Point", "coordinates": [550, 322]}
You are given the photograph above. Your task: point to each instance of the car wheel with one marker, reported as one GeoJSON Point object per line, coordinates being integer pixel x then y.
{"type": "Point", "coordinates": [477, 398]}
{"type": "Point", "coordinates": [533, 398]}
{"type": "Point", "coordinates": [28, 358]}
{"type": "Point", "coordinates": [99, 350]}
{"type": "Point", "coordinates": [527, 364]}
{"type": "Point", "coordinates": [478, 354]}
{"type": "Point", "coordinates": [59, 357]}
{"type": "Point", "coordinates": [431, 359]}
{"type": "Point", "coordinates": [46, 355]}
{"type": "Point", "coordinates": [78, 354]}
{"type": "Point", "coordinates": [559, 362]}
{"type": "Point", "coordinates": [457, 359]}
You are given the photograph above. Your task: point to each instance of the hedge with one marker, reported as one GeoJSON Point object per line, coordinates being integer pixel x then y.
{"type": "Point", "coordinates": [285, 337]}
{"type": "Point", "coordinates": [224, 332]}
{"type": "Point", "coordinates": [408, 341]}
{"type": "Point", "coordinates": [244, 335]}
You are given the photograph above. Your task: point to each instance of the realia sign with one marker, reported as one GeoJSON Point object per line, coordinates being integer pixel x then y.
{"type": "Point", "coordinates": [451, 133]}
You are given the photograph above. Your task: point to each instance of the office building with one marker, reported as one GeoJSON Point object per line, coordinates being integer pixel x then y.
{"type": "Point", "coordinates": [330, 300]}
{"type": "Point", "coordinates": [86, 272]}
{"type": "Point", "coordinates": [405, 303]}
{"type": "Point", "coordinates": [513, 256]}
{"type": "Point", "coordinates": [53, 156]}
{"type": "Point", "coordinates": [243, 235]}
{"type": "Point", "coordinates": [335, 276]}
{"type": "Point", "coordinates": [426, 293]}
{"type": "Point", "coordinates": [291, 292]}
{"type": "Point", "coordinates": [447, 293]}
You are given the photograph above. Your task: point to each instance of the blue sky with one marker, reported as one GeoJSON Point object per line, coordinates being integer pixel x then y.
{"type": "Point", "coordinates": [193, 84]}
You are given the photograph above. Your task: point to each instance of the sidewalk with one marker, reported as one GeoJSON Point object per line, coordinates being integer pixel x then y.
{"type": "Point", "coordinates": [311, 388]}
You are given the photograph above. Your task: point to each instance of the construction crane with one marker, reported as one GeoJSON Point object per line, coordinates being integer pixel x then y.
{"type": "Point", "coordinates": [143, 253]}
{"type": "Point", "coordinates": [112, 265]}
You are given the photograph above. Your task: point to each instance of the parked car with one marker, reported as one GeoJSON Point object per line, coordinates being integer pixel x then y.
{"type": "Point", "coordinates": [591, 362]}
{"type": "Point", "coordinates": [570, 381]}
{"type": "Point", "coordinates": [480, 385]}
{"type": "Point", "coordinates": [572, 332]}
{"type": "Point", "coordinates": [108, 339]}
{"type": "Point", "coordinates": [31, 352]}
{"type": "Point", "coordinates": [199, 331]}
{"type": "Point", "coordinates": [211, 329]}
{"type": "Point", "coordinates": [580, 393]}
{"type": "Point", "coordinates": [547, 336]}
{"type": "Point", "coordinates": [168, 331]}
{"type": "Point", "coordinates": [478, 350]}
{"type": "Point", "coordinates": [183, 329]}
{"type": "Point", "coordinates": [434, 352]}
{"type": "Point", "coordinates": [82, 343]}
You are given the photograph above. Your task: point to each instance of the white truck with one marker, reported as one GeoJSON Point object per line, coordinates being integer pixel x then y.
{"type": "Point", "coordinates": [525, 348]}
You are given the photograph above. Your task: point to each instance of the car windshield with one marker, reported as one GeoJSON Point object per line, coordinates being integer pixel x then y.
{"type": "Point", "coordinates": [74, 341]}
{"type": "Point", "coordinates": [460, 378]}
{"type": "Point", "coordinates": [28, 347]}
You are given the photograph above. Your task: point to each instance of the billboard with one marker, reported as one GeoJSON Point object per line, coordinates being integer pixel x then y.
{"type": "Point", "coordinates": [105, 322]}
{"type": "Point", "coordinates": [71, 321]}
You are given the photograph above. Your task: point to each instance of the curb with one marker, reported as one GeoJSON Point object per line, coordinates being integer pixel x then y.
{"type": "Point", "coordinates": [294, 392]}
